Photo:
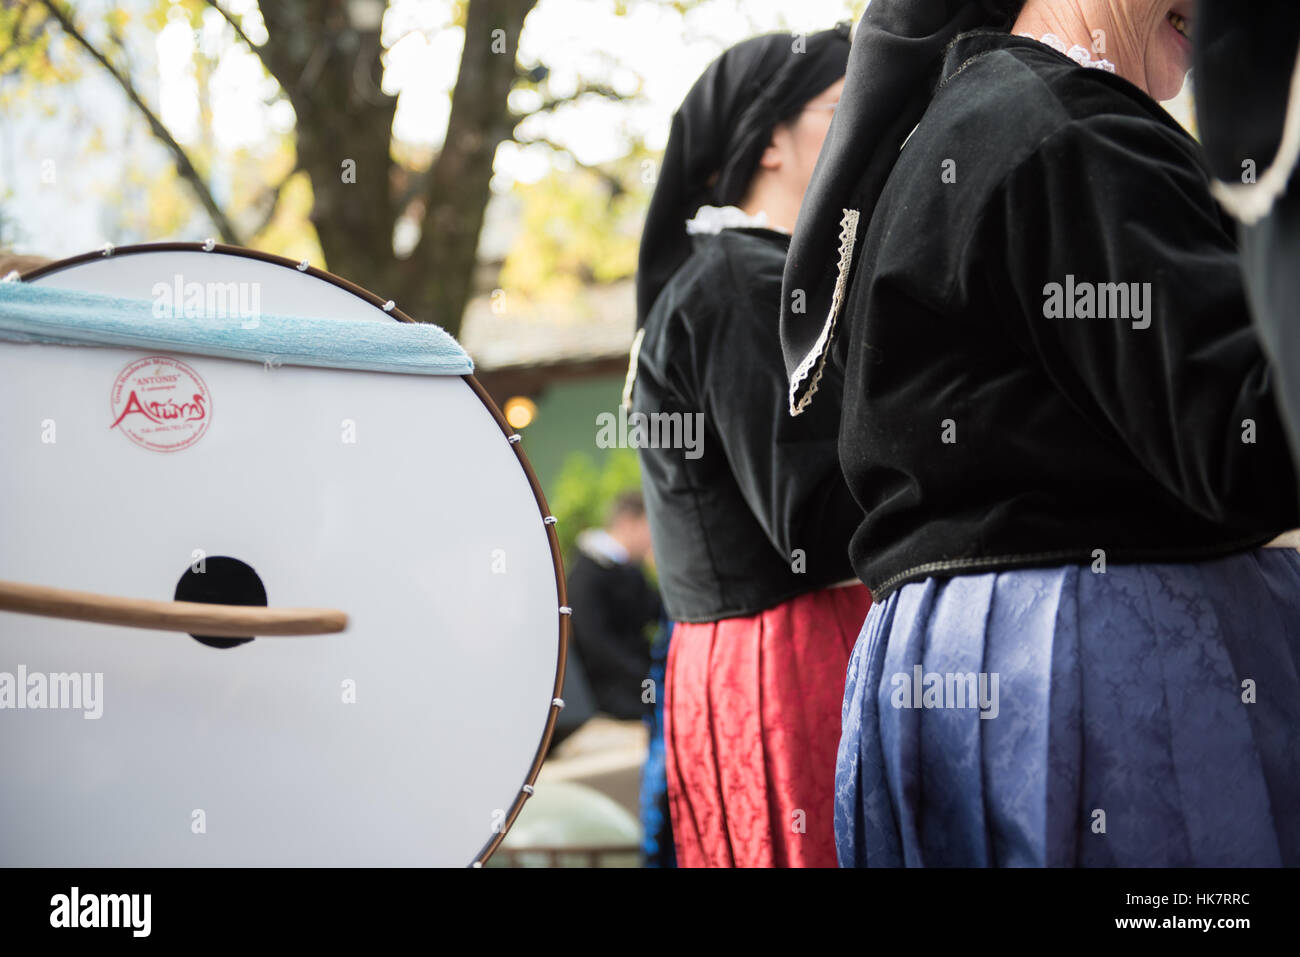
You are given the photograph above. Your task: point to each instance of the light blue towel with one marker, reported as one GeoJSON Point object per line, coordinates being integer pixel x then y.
{"type": "Point", "coordinates": [31, 313]}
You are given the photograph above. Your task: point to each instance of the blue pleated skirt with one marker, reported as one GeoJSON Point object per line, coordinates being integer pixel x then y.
{"type": "Point", "coordinates": [1147, 716]}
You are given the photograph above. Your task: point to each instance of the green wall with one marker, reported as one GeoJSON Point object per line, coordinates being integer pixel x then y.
{"type": "Point", "coordinates": [566, 423]}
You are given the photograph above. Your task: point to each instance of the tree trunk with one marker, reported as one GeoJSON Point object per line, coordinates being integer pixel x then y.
{"type": "Point", "coordinates": [331, 73]}
{"type": "Point", "coordinates": [436, 282]}
{"type": "Point", "coordinates": [330, 69]}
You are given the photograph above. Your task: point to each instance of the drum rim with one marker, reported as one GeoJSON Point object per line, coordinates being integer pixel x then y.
{"type": "Point", "coordinates": [110, 251]}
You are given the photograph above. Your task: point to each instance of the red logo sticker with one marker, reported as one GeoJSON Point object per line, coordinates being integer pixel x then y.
{"type": "Point", "coordinates": [162, 404]}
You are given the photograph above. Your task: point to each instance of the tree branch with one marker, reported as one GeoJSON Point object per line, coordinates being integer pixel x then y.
{"type": "Point", "coordinates": [616, 187]}
{"type": "Point", "coordinates": [239, 31]}
{"type": "Point", "coordinates": [275, 193]}
{"type": "Point", "coordinates": [590, 89]}
{"type": "Point", "coordinates": [229, 18]}
{"type": "Point", "coordinates": [184, 166]}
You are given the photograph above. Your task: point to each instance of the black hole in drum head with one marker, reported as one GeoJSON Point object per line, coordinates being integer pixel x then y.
{"type": "Point", "coordinates": [222, 581]}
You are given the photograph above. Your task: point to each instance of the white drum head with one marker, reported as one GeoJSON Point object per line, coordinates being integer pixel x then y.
{"type": "Point", "coordinates": [405, 740]}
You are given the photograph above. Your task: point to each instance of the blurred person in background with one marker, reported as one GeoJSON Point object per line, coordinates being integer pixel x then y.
{"type": "Point", "coordinates": [1067, 494]}
{"type": "Point", "coordinates": [750, 528]}
{"type": "Point", "coordinates": [657, 848]}
{"type": "Point", "coordinates": [615, 608]}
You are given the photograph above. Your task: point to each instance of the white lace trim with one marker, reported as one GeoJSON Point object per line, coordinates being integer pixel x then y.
{"type": "Point", "coordinates": [634, 357]}
{"type": "Point", "coordinates": [1251, 202]}
{"type": "Point", "coordinates": [814, 363]}
{"type": "Point", "coordinates": [710, 220]}
{"type": "Point", "coordinates": [1079, 54]}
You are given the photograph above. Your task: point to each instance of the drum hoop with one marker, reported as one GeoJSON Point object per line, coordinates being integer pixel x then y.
{"type": "Point", "coordinates": [490, 846]}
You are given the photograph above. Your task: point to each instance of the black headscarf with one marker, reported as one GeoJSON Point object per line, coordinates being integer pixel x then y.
{"type": "Point", "coordinates": [719, 134]}
{"type": "Point", "coordinates": [898, 46]}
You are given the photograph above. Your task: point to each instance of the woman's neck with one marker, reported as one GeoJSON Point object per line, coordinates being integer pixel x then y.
{"type": "Point", "coordinates": [1089, 25]}
{"type": "Point", "coordinates": [780, 209]}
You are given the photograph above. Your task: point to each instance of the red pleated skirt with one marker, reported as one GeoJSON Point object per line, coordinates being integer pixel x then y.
{"type": "Point", "coordinates": [751, 728]}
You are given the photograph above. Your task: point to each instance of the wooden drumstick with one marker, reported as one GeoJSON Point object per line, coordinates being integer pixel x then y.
{"type": "Point", "coordinates": [195, 618]}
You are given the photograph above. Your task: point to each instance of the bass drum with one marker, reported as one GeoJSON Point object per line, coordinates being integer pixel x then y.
{"type": "Point", "coordinates": [412, 738]}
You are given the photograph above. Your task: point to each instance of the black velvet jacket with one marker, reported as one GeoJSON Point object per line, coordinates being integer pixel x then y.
{"type": "Point", "coordinates": [979, 431]}
{"type": "Point", "coordinates": [763, 514]}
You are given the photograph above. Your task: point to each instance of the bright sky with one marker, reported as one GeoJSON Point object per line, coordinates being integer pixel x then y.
{"type": "Point", "coordinates": [98, 144]}
{"type": "Point", "coordinates": [652, 45]}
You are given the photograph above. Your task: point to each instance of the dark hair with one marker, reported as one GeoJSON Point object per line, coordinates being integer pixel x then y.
{"type": "Point", "coordinates": [628, 505]}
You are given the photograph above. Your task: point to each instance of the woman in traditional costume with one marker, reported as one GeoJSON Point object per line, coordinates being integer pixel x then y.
{"type": "Point", "coordinates": [1062, 432]}
{"type": "Point", "coordinates": [751, 525]}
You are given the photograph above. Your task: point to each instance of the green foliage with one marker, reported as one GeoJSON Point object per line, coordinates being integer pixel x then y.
{"type": "Point", "coordinates": [583, 492]}
{"type": "Point", "coordinates": [573, 232]}
{"type": "Point", "coordinates": [32, 55]}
